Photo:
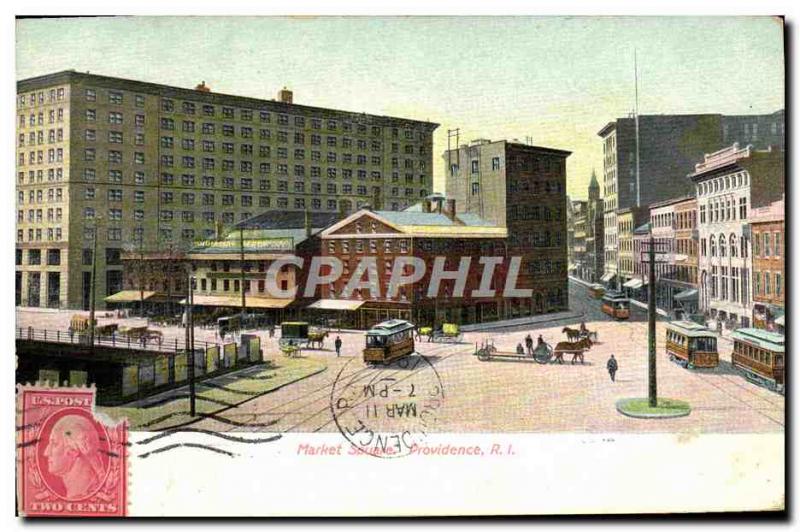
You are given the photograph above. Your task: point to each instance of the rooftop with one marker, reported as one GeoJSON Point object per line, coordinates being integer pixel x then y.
{"type": "Point", "coordinates": [71, 76]}
{"type": "Point", "coordinates": [768, 340]}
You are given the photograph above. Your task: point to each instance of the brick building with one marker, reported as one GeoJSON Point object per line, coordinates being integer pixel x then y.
{"type": "Point", "coordinates": [522, 188]}
{"type": "Point", "coordinates": [769, 277]}
{"type": "Point", "coordinates": [427, 233]}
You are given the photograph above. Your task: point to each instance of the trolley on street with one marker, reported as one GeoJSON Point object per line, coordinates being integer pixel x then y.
{"type": "Point", "coordinates": [597, 290]}
{"type": "Point", "coordinates": [692, 345]}
{"type": "Point", "coordinates": [388, 341]}
{"type": "Point", "coordinates": [616, 305]}
{"type": "Point", "coordinates": [759, 355]}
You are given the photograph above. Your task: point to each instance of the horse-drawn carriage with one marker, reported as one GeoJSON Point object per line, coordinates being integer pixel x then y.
{"type": "Point", "coordinates": [543, 353]}
{"type": "Point", "coordinates": [301, 334]}
{"type": "Point", "coordinates": [573, 335]}
{"type": "Point", "coordinates": [449, 333]}
{"type": "Point", "coordinates": [141, 334]}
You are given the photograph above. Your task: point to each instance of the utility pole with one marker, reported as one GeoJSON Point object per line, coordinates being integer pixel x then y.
{"type": "Point", "coordinates": [636, 121]}
{"type": "Point", "coordinates": [652, 389]}
{"type": "Point", "coordinates": [141, 275]}
{"type": "Point", "coordinates": [93, 290]}
{"type": "Point", "coordinates": [241, 271]}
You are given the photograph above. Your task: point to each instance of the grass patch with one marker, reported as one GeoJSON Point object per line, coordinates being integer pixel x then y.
{"type": "Point", "coordinates": [665, 407]}
{"type": "Point", "coordinates": [225, 392]}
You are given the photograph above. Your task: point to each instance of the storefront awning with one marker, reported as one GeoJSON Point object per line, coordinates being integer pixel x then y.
{"type": "Point", "coordinates": [607, 277]}
{"type": "Point", "coordinates": [129, 296]}
{"type": "Point", "coordinates": [680, 258]}
{"type": "Point", "coordinates": [633, 283]}
{"type": "Point", "coordinates": [236, 301]}
{"type": "Point", "coordinates": [686, 295]}
{"type": "Point", "coordinates": [336, 304]}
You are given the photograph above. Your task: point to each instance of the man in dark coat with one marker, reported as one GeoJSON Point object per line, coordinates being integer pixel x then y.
{"type": "Point", "coordinates": [338, 345]}
{"type": "Point", "coordinates": [612, 367]}
{"type": "Point", "coordinates": [529, 344]}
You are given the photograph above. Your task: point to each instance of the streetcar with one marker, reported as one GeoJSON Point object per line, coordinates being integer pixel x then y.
{"type": "Point", "coordinates": [597, 290]}
{"type": "Point", "coordinates": [759, 355]}
{"type": "Point", "coordinates": [692, 345]}
{"type": "Point", "coordinates": [388, 341]}
{"type": "Point", "coordinates": [616, 305]}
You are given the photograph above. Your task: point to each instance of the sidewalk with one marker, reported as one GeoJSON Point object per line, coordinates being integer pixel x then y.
{"type": "Point", "coordinates": [527, 320]}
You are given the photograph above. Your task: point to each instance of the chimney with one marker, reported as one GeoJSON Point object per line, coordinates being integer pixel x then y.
{"type": "Point", "coordinates": [285, 96]}
{"type": "Point", "coordinates": [451, 208]}
{"type": "Point", "coordinates": [203, 87]}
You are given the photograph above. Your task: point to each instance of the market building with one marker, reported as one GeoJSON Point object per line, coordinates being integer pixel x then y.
{"type": "Point", "coordinates": [434, 232]}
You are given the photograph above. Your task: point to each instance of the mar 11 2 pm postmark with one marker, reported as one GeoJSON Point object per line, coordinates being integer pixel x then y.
{"type": "Point", "coordinates": [69, 463]}
{"type": "Point", "coordinates": [387, 411]}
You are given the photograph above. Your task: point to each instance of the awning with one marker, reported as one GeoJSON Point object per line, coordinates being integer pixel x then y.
{"type": "Point", "coordinates": [236, 301]}
{"type": "Point", "coordinates": [607, 277]}
{"type": "Point", "coordinates": [680, 258]}
{"type": "Point", "coordinates": [686, 295]}
{"type": "Point", "coordinates": [336, 304]}
{"type": "Point", "coordinates": [633, 283]}
{"type": "Point", "coordinates": [780, 321]}
{"type": "Point", "coordinates": [129, 296]}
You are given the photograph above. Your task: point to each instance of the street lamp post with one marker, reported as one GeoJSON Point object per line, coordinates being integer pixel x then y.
{"type": "Point", "coordinates": [652, 385]}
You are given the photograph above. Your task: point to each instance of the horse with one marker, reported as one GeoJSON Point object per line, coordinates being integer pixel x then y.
{"type": "Point", "coordinates": [316, 338]}
{"type": "Point", "coordinates": [576, 348]}
{"type": "Point", "coordinates": [572, 334]}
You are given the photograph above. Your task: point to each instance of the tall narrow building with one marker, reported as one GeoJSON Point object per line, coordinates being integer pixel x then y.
{"type": "Point", "coordinates": [522, 188]}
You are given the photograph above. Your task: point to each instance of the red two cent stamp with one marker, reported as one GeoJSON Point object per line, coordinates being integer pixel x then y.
{"type": "Point", "coordinates": [69, 464]}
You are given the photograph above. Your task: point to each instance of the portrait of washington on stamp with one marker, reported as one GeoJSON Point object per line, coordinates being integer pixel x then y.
{"type": "Point", "coordinates": [295, 266]}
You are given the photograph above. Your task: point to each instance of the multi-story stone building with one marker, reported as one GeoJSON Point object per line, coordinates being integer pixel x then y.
{"type": "Point", "coordinates": [637, 287]}
{"type": "Point", "coordinates": [769, 281]}
{"type": "Point", "coordinates": [522, 188]}
{"type": "Point", "coordinates": [729, 183]}
{"type": "Point", "coordinates": [669, 146]}
{"type": "Point", "coordinates": [664, 224]}
{"type": "Point", "coordinates": [595, 232]}
{"type": "Point", "coordinates": [126, 161]}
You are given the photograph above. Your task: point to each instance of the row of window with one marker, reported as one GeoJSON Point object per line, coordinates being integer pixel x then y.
{"type": "Point", "coordinates": [54, 155]}
{"type": "Point", "coordinates": [768, 284]}
{"type": "Point", "coordinates": [722, 184]}
{"type": "Point", "coordinates": [53, 257]}
{"type": "Point", "coordinates": [37, 119]}
{"type": "Point", "coordinates": [767, 244]}
{"type": "Point", "coordinates": [51, 234]}
{"type": "Point", "coordinates": [723, 210]}
{"type": "Point", "coordinates": [53, 95]}
{"type": "Point", "coordinates": [37, 137]}
{"type": "Point", "coordinates": [37, 196]}
{"type": "Point", "coordinates": [37, 215]}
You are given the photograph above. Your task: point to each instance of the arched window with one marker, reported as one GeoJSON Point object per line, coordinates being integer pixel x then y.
{"type": "Point", "coordinates": [732, 242]}
{"type": "Point", "coordinates": [713, 246]}
{"type": "Point", "coordinates": [721, 245]}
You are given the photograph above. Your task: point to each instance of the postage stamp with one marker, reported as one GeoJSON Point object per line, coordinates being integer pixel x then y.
{"type": "Point", "coordinates": [386, 411]}
{"type": "Point", "coordinates": [69, 463]}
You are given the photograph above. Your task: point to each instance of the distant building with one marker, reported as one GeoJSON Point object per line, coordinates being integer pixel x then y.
{"type": "Point", "coordinates": [595, 233]}
{"type": "Point", "coordinates": [669, 146]}
{"type": "Point", "coordinates": [769, 277]}
{"type": "Point", "coordinates": [664, 224]}
{"type": "Point", "coordinates": [686, 257]}
{"type": "Point", "coordinates": [578, 260]}
{"type": "Point", "coordinates": [729, 184]}
{"type": "Point", "coordinates": [522, 188]}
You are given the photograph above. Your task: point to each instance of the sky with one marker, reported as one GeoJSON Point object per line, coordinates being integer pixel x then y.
{"type": "Point", "coordinates": [558, 80]}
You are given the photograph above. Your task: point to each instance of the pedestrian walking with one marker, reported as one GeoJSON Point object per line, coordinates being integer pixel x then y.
{"type": "Point", "coordinates": [272, 330]}
{"type": "Point", "coordinates": [529, 344]}
{"type": "Point", "coordinates": [612, 367]}
{"type": "Point", "coordinates": [338, 345]}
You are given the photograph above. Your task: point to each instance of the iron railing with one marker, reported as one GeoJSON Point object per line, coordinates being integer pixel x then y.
{"type": "Point", "coordinates": [116, 340]}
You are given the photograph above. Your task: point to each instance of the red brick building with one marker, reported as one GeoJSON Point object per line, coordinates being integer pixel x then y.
{"type": "Point", "coordinates": [427, 234]}
{"type": "Point", "coordinates": [769, 281]}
